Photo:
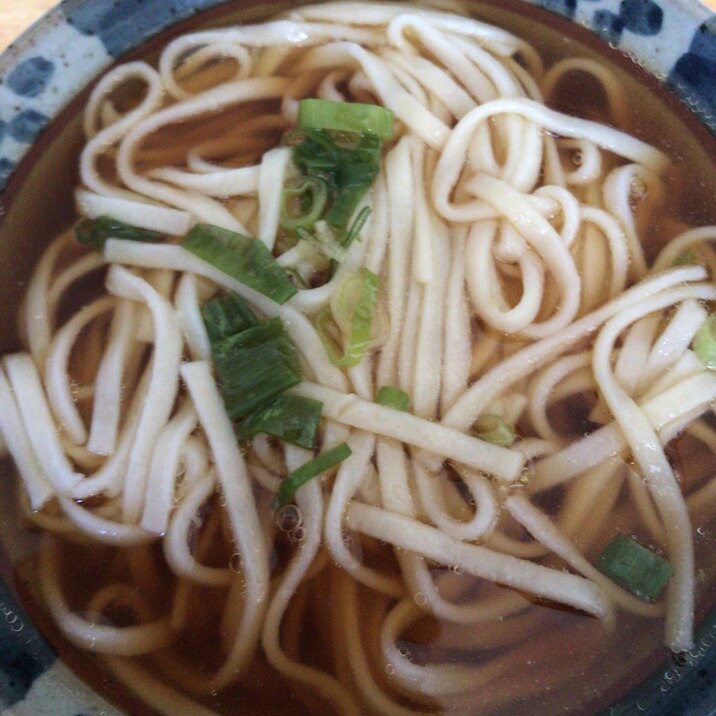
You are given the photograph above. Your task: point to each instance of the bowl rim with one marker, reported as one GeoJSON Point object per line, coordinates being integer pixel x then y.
{"type": "Point", "coordinates": [672, 685]}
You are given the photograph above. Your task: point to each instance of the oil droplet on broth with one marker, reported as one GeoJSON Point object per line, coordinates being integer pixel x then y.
{"type": "Point", "coordinates": [299, 534]}
{"type": "Point", "coordinates": [288, 518]}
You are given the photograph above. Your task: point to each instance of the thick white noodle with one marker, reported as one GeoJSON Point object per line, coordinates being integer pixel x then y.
{"type": "Point", "coordinates": [310, 502]}
{"type": "Point", "coordinates": [164, 469]}
{"type": "Point", "coordinates": [348, 478]}
{"type": "Point", "coordinates": [163, 383]}
{"type": "Point", "coordinates": [102, 137]}
{"type": "Point", "coordinates": [146, 216]}
{"type": "Point", "coordinates": [688, 398]}
{"type": "Point", "coordinates": [432, 437]}
{"type": "Point", "coordinates": [202, 207]}
{"type": "Point", "coordinates": [412, 535]}
{"type": "Point", "coordinates": [469, 407]}
{"type": "Point", "coordinates": [236, 489]}
{"type": "Point", "coordinates": [38, 486]}
{"type": "Point", "coordinates": [176, 544]}
{"type": "Point", "coordinates": [542, 529]}
{"type": "Point", "coordinates": [36, 416]}
{"type": "Point", "coordinates": [88, 633]}
{"type": "Point", "coordinates": [188, 306]}
{"type": "Point", "coordinates": [110, 378]}
{"type": "Point", "coordinates": [60, 391]}
{"type": "Point", "coordinates": [658, 473]}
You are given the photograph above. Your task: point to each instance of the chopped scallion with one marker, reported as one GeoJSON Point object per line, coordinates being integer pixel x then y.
{"type": "Point", "coordinates": [292, 418]}
{"type": "Point", "coordinates": [635, 568]}
{"type": "Point", "coordinates": [97, 231]}
{"type": "Point", "coordinates": [245, 259]}
{"type": "Point", "coordinates": [393, 397]}
{"type": "Point", "coordinates": [302, 204]}
{"type": "Point", "coordinates": [359, 328]}
{"type": "Point", "coordinates": [356, 226]}
{"type": "Point", "coordinates": [345, 117]}
{"type": "Point", "coordinates": [324, 324]}
{"type": "Point", "coordinates": [254, 366]}
{"type": "Point", "coordinates": [348, 172]}
{"type": "Point", "coordinates": [299, 477]}
{"type": "Point", "coordinates": [256, 362]}
{"type": "Point", "coordinates": [225, 315]}
{"type": "Point", "coordinates": [704, 343]}
{"type": "Point", "coordinates": [325, 241]}
{"type": "Point", "coordinates": [493, 429]}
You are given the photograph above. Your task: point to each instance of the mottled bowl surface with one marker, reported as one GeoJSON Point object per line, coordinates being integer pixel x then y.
{"type": "Point", "coordinates": [52, 63]}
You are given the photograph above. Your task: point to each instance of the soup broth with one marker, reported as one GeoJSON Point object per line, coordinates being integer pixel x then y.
{"type": "Point", "coordinates": [535, 655]}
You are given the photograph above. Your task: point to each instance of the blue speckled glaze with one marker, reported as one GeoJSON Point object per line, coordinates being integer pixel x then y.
{"type": "Point", "coordinates": [31, 76]}
{"type": "Point", "coordinates": [643, 17]}
{"type": "Point", "coordinates": [24, 655]}
{"type": "Point", "coordinates": [566, 8]}
{"type": "Point", "coordinates": [694, 74]}
{"type": "Point", "coordinates": [123, 24]}
{"type": "Point", "coordinates": [7, 167]}
{"type": "Point", "coordinates": [608, 25]}
{"type": "Point", "coordinates": [48, 66]}
{"type": "Point", "coordinates": [26, 125]}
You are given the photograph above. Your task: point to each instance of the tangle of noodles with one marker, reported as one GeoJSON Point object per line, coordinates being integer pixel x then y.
{"type": "Point", "coordinates": [507, 238]}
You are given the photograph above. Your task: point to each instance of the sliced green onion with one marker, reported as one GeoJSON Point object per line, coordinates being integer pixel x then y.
{"type": "Point", "coordinates": [261, 334]}
{"type": "Point", "coordinates": [97, 231]}
{"type": "Point", "coordinates": [493, 429]}
{"type": "Point", "coordinates": [302, 204]}
{"type": "Point", "coordinates": [356, 226]}
{"type": "Point", "coordinates": [359, 333]}
{"type": "Point", "coordinates": [299, 477]}
{"type": "Point", "coordinates": [245, 259]}
{"type": "Point", "coordinates": [325, 241]}
{"type": "Point", "coordinates": [393, 397]}
{"type": "Point", "coordinates": [255, 366]}
{"type": "Point", "coordinates": [348, 172]}
{"type": "Point", "coordinates": [635, 568]}
{"type": "Point", "coordinates": [354, 180]}
{"type": "Point", "coordinates": [256, 362]}
{"type": "Point", "coordinates": [225, 315]}
{"type": "Point", "coordinates": [326, 328]}
{"type": "Point", "coordinates": [292, 418]}
{"type": "Point", "coordinates": [345, 117]}
{"type": "Point", "coordinates": [344, 301]}
{"type": "Point", "coordinates": [704, 343]}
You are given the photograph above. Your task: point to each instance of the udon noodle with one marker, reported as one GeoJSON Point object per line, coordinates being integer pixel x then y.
{"type": "Point", "coordinates": [515, 286]}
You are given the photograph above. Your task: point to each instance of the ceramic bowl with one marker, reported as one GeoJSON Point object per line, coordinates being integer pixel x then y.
{"type": "Point", "coordinates": [42, 80]}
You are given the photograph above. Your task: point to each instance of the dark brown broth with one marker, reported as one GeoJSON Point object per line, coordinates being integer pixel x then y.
{"type": "Point", "coordinates": [655, 117]}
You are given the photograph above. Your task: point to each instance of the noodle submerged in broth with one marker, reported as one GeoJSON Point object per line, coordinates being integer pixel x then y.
{"type": "Point", "coordinates": [458, 284]}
